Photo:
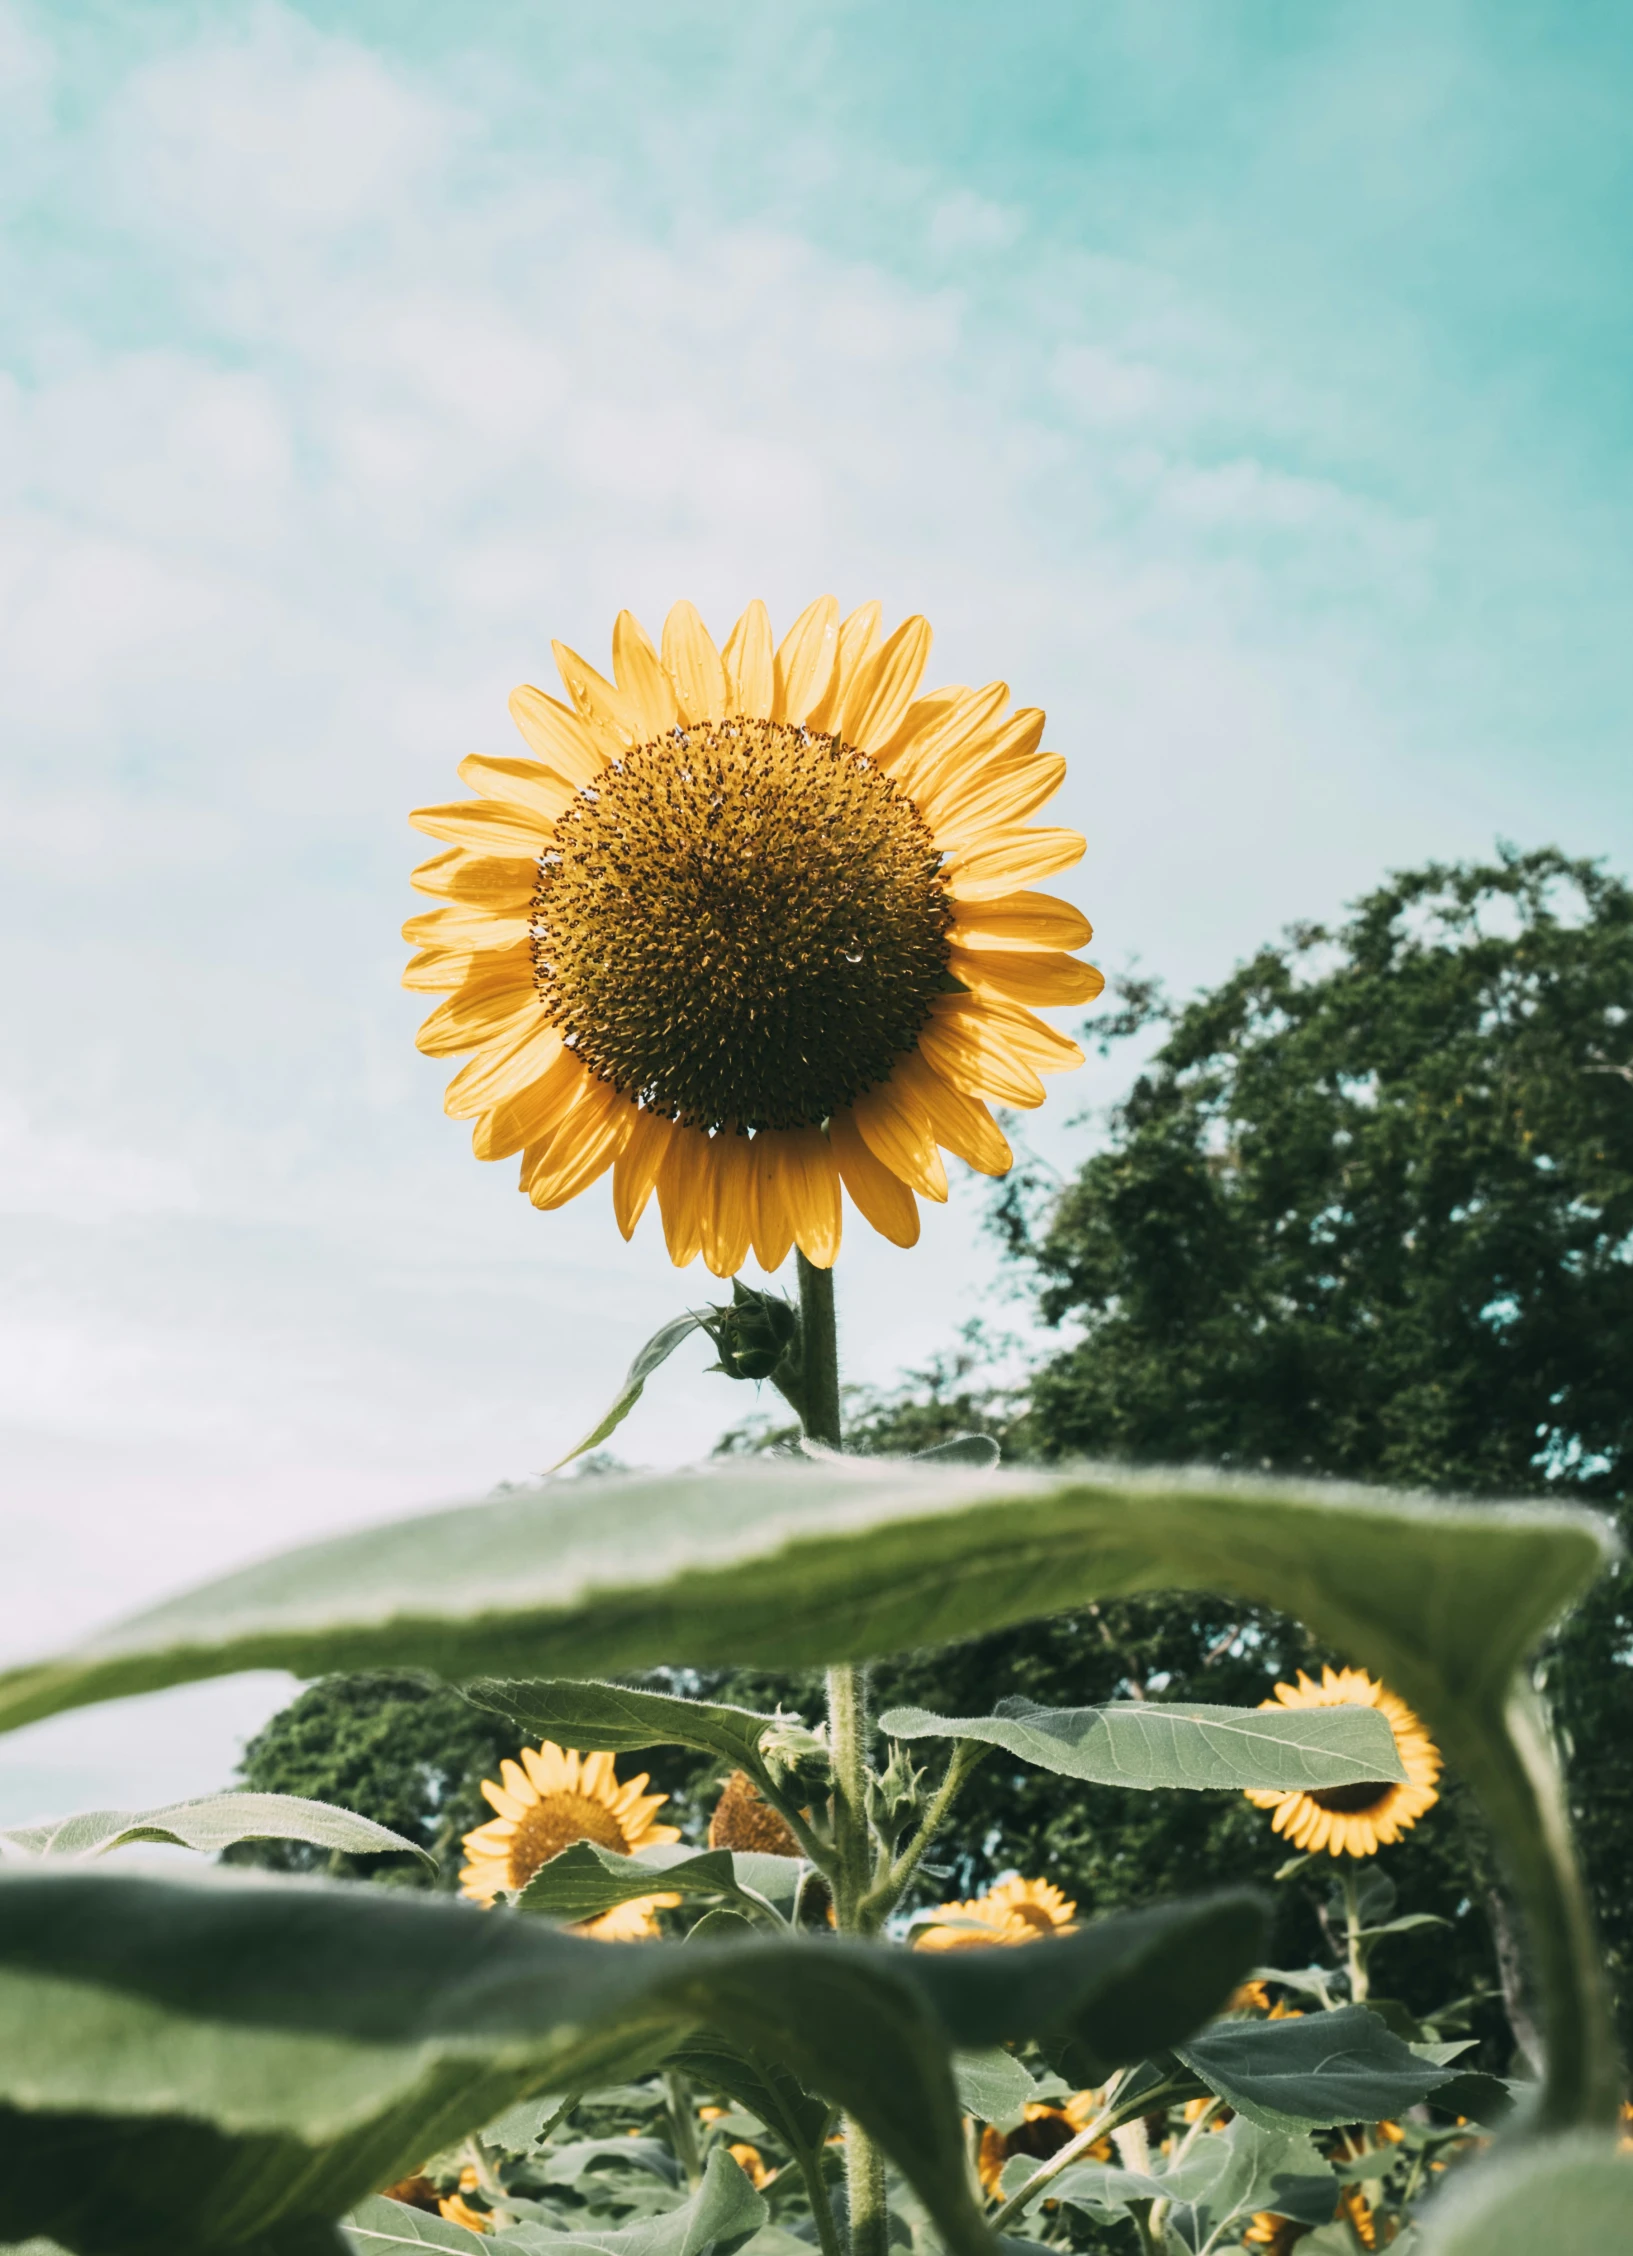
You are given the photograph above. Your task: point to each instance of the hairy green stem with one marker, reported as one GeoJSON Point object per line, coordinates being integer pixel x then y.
{"type": "Point", "coordinates": [1109, 2117]}
{"type": "Point", "coordinates": [822, 2209]}
{"type": "Point", "coordinates": [819, 1355]}
{"type": "Point", "coordinates": [886, 1892]}
{"type": "Point", "coordinates": [678, 2093]}
{"type": "Point", "coordinates": [1354, 1950]}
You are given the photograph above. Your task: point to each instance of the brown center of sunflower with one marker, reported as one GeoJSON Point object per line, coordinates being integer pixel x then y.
{"type": "Point", "coordinates": [742, 924]}
{"type": "Point", "coordinates": [1352, 1801]}
{"type": "Point", "coordinates": [553, 1823]}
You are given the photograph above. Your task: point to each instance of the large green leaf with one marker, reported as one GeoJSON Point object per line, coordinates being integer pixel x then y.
{"type": "Point", "coordinates": [1227, 2175]}
{"type": "Point", "coordinates": [194, 2062]}
{"type": "Point", "coordinates": [1151, 1744]}
{"type": "Point", "coordinates": [620, 1720]}
{"type": "Point", "coordinates": [212, 1823]}
{"type": "Point", "coordinates": [1569, 2197]}
{"type": "Point", "coordinates": [1326, 2068]}
{"type": "Point", "coordinates": [722, 2213]}
{"type": "Point", "coordinates": [585, 1880]}
{"type": "Point", "coordinates": [786, 1564]}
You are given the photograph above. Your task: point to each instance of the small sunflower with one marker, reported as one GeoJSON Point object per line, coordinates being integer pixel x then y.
{"type": "Point", "coordinates": [549, 1799]}
{"type": "Point", "coordinates": [744, 1819]}
{"type": "Point", "coordinates": [1355, 1820]}
{"type": "Point", "coordinates": [1015, 1911]}
{"type": "Point", "coordinates": [1043, 2132]}
{"type": "Point", "coordinates": [751, 925]}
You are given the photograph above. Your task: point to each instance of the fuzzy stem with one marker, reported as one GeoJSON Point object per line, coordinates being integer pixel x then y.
{"type": "Point", "coordinates": [886, 1892]}
{"type": "Point", "coordinates": [819, 1355]}
{"type": "Point", "coordinates": [1354, 1951]}
{"type": "Point", "coordinates": [678, 2093]}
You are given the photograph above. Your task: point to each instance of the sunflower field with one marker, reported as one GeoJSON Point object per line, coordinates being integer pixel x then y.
{"type": "Point", "coordinates": [751, 932]}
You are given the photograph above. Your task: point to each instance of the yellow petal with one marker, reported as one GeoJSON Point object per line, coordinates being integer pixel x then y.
{"type": "Point", "coordinates": [878, 698]}
{"type": "Point", "coordinates": [969, 1052]}
{"type": "Point", "coordinates": [498, 1006]}
{"type": "Point", "coordinates": [601, 705]}
{"type": "Point", "coordinates": [1046, 981]}
{"type": "Point", "coordinates": [1006, 859]}
{"type": "Point", "coordinates": [879, 1194]}
{"type": "Point", "coordinates": [482, 881]}
{"type": "Point", "coordinates": [811, 1181]}
{"type": "Point", "coordinates": [896, 1129]}
{"type": "Point", "coordinates": [962, 1124]}
{"type": "Point", "coordinates": [773, 1220]}
{"type": "Point", "coordinates": [680, 1193]}
{"type": "Point", "coordinates": [1028, 1037]}
{"type": "Point", "coordinates": [465, 929]}
{"type": "Point", "coordinates": [640, 676]}
{"type": "Point", "coordinates": [694, 666]}
{"type": "Point", "coordinates": [598, 1129]}
{"type": "Point", "coordinates": [487, 824]}
{"type": "Point", "coordinates": [805, 660]}
{"type": "Point", "coordinates": [858, 640]}
{"type": "Point", "coordinates": [529, 1116]}
{"type": "Point", "coordinates": [516, 1782]}
{"type": "Point", "coordinates": [557, 735]}
{"type": "Point", "coordinates": [996, 795]}
{"type": "Point", "coordinates": [1020, 920]}
{"type": "Point", "coordinates": [727, 1207]}
{"type": "Point", "coordinates": [439, 971]}
{"type": "Point", "coordinates": [635, 1172]}
{"type": "Point", "coordinates": [527, 784]}
{"type": "Point", "coordinates": [946, 732]}
{"type": "Point", "coordinates": [500, 1071]}
{"type": "Point", "coordinates": [750, 665]}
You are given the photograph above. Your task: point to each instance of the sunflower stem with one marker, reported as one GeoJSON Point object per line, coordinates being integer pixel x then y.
{"type": "Point", "coordinates": [678, 2095]}
{"type": "Point", "coordinates": [1354, 1950]}
{"type": "Point", "coordinates": [819, 1355]}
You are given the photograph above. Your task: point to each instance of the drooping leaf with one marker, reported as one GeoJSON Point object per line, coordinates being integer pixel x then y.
{"type": "Point", "coordinates": [790, 1563]}
{"type": "Point", "coordinates": [993, 2086]}
{"type": "Point", "coordinates": [565, 2165]}
{"type": "Point", "coordinates": [657, 1350]}
{"type": "Point", "coordinates": [1327, 2068]}
{"type": "Point", "coordinates": [377, 2226]}
{"type": "Point", "coordinates": [584, 1880]}
{"type": "Point", "coordinates": [766, 2089]}
{"type": "Point", "coordinates": [620, 1720]}
{"type": "Point", "coordinates": [1227, 2175]}
{"type": "Point", "coordinates": [1568, 2197]}
{"type": "Point", "coordinates": [211, 1823]}
{"type": "Point", "coordinates": [1151, 1743]}
{"type": "Point", "coordinates": [192, 2063]}
{"type": "Point", "coordinates": [520, 2127]}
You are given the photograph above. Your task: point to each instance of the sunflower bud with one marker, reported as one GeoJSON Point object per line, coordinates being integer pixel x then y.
{"type": "Point", "coordinates": [755, 1334]}
{"type": "Point", "coordinates": [797, 1757]}
{"type": "Point", "coordinates": [894, 1797]}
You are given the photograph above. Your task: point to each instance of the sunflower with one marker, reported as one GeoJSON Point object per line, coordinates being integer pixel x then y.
{"type": "Point", "coordinates": [1015, 1911]}
{"type": "Point", "coordinates": [751, 925]}
{"type": "Point", "coordinates": [1355, 1820]}
{"type": "Point", "coordinates": [744, 1819]}
{"type": "Point", "coordinates": [549, 1799]}
{"type": "Point", "coordinates": [1042, 2132]}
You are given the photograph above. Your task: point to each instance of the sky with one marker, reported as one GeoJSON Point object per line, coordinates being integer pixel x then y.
{"type": "Point", "coordinates": [1247, 387]}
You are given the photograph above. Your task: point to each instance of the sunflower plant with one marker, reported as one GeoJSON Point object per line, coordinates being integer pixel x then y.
{"type": "Point", "coordinates": [751, 932]}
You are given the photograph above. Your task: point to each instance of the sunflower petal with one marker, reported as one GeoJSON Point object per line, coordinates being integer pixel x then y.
{"type": "Point", "coordinates": [896, 1129]}
{"type": "Point", "coordinates": [598, 1127]}
{"type": "Point", "coordinates": [527, 784]}
{"type": "Point", "coordinates": [680, 1193]}
{"type": "Point", "coordinates": [945, 734]}
{"type": "Point", "coordinates": [1020, 920]}
{"type": "Point", "coordinates": [530, 1116]}
{"type": "Point", "coordinates": [601, 704]}
{"type": "Point", "coordinates": [482, 881]}
{"type": "Point", "coordinates": [646, 688]}
{"type": "Point", "coordinates": [557, 735]}
{"type": "Point", "coordinates": [694, 666]}
{"type": "Point", "coordinates": [725, 1215]}
{"type": "Point", "coordinates": [969, 1052]}
{"type": "Point", "coordinates": [883, 689]}
{"type": "Point", "coordinates": [1045, 980]}
{"type": "Point", "coordinates": [811, 1177]}
{"type": "Point", "coordinates": [464, 929]}
{"type": "Point", "coordinates": [496, 1006]}
{"type": "Point", "coordinates": [1008, 858]}
{"type": "Point", "coordinates": [877, 1191]}
{"type": "Point", "coordinates": [501, 1071]}
{"type": "Point", "coordinates": [490, 826]}
{"type": "Point", "coordinates": [750, 665]}
{"type": "Point", "coordinates": [635, 1171]}
{"type": "Point", "coordinates": [1042, 1046]}
{"type": "Point", "coordinates": [773, 1219]}
{"type": "Point", "coordinates": [996, 795]}
{"type": "Point", "coordinates": [960, 1123]}
{"type": "Point", "coordinates": [858, 640]}
{"type": "Point", "coordinates": [438, 971]}
{"type": "Point", "coordinates": [806, 658]}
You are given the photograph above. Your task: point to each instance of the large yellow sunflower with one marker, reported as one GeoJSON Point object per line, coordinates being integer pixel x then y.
{"type": "Point", "coordinates": [752, 924]}
{"type": "Point", "coordinates": [1355, 1820]}
{"type": "Point", "coordinates": [550, 1799]}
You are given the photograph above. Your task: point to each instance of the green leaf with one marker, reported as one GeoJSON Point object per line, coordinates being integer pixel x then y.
{"type": "Point", "coordinates": [565, 2165]}
{"type": "Point", "coordinates": [1152, 1744]}
{"type": "Point", "coordinates": [767, 2090]}
{"type": "Point", "coordinates": [1241, 2170]}
{"type": "Point", "coordinates": [584, 1880]}
{"type": "Point", "coordinates": [993, 2086]}
{"type": "Point", "coordinates": [1328, 2068]}
{"type": "Point", "coordinates": [519, 2127]}
{"type": "Point", "coordinates": [723, 2212]}
{"type": "Point", "coordinates": [378, 2225]}
{"type": "Point", "coordinates": [657, 1350]}
{"type": "Point", "coordinates": [1572, 2197]}
{"type": "Point", "coordinates": [619, 1720]}
{"type": "Point", "coordinates": [793, 1563]}
{"type": "Point", "coordinates": [210, 1824]}
{"type": "Point", "coordinates": [1483, 2099]}
{"type": "Point", "coordinates": [216, 2057]}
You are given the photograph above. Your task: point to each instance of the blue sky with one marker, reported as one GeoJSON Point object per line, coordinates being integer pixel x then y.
{"type": "Point", "coordinates": [1248, 386]}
